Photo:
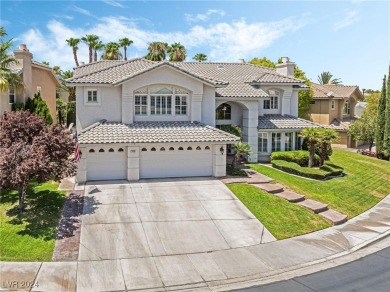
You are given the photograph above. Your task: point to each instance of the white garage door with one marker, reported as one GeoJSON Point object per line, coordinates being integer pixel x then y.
{"type": "Point", "coordinates": [176, 161]}
{"type": "Point", "coordinates": [106, 163]}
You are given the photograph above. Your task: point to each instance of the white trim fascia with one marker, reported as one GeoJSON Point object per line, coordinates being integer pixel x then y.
{"type": "Point", "coordinates": [88, 84]}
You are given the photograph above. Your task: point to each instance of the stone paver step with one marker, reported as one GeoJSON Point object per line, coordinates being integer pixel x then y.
{"type": "Point", "coordinates": [270, 188]}
{"type": "Point", "coordinates": [290, 196]}
{"type": "Point", "coordinates": [314, 206]}
{"type": "Point", "coordinates": [333, 216]}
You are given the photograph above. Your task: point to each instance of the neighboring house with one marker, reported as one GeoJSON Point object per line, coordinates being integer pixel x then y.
{"type": "Point", "coordinates": [334, 106]}
{"type": "Point", "coordinates": [143, 119]}
{"type": "Point", "coordinates": [36, 78]}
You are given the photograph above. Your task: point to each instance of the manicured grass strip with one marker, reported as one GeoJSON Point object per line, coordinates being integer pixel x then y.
{"type": "Point", "coordinates": [281, 218]}
{"type": "Point", "coordinates": [30, 236]}
{"type": "Point", "coordinates": [366, 182]}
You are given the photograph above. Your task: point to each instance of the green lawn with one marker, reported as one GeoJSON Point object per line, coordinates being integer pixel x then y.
{"type": "Point", "coordinates": [366, 182]}
{"type": "Point", "coordinates": [30, 236]}
{"type": "Point", "coordinates": [281, 218]}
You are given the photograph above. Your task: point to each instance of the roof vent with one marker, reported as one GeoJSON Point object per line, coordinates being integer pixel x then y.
{"type": "Point", "coordinates": [81, 63]}
{"type": "Point", "coordinates": [220, 67]}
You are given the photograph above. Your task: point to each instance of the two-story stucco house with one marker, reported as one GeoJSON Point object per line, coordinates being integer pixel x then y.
{"type": "Point", "coordinates": [143, 119]}
{"type": "Point", "coordinates": [334, 107]}
{"type": "Point", "coordinates": [36, 77]}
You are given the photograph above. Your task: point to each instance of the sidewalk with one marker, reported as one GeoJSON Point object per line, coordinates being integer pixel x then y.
{"type": "Point", "coordinates": [219, 270]}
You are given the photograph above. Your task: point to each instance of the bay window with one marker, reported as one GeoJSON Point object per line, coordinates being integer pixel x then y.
{"type": "Point", "coordinates": [160, 104]}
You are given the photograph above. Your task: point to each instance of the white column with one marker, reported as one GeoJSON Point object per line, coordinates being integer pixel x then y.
{"type": "Point", "coordinates": [132, 163]}
{"type": "Point", "coordinates": [81, 176]}
{"type": "Point", "coordinates": [127, 108]}
{"type": "Point", "coordinates": [219, 160]}
{"type": "Point", "coordinates": [282, 141]}
{"type": "Point", "coordinates": [196, 107]}
{"type": "Point", "coordinates": [250, 132]}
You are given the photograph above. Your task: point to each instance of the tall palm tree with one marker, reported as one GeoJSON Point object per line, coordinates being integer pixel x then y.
{"type": "Point", "coordinates": [97, 46]}
{"type": "Point", "coordinates": [327, 137]}
{"type": "Point", "coordinates": [157, 51]}
{"type": "Point", "coordinates": [200, 57]}
{"type": "Point", "coordinates": [326, 78]}
{"type": "Point", "coordinates": [111, 51]}
{"type": "Point", "coordinates": [89, 40]}
{"type": "Point", "coordinates": [312, 135]}
{"type": "Point", "coordinates": [73, 43]}
{"type": "Point", "coordinates": [177, 52]}
{"type": "Point", "coordinates": [125, 43]}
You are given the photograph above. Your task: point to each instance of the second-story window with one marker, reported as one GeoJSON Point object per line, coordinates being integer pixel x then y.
{"type": "Point", "coordinates": [141, 104]}
{"type": "Point", "coordinates": [224, 112]}
{"type": "Point", "coordinates": [92, 95]}
{"type": "Point", "coordinates": [332, 105]}
{"type": "Point", "coordinates": [347, 108]}
{"type": "Point", "coordinates": [273, 101]}
{"type": "Point", "coordinates": [11, 96]}
{"type": "Point", "coordinates": [181, 105]}
{"type": "Point", "coordinates": [160, 104]}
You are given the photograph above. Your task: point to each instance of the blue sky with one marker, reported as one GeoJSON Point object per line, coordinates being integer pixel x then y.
{"type": "Point", "coordinates": [351, 39]}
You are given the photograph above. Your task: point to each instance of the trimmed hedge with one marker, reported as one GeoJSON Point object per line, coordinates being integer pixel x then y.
{"type": "Point", "coordinates": [314, 173]}
{"type": "Point", "coordinates": [299, 157]}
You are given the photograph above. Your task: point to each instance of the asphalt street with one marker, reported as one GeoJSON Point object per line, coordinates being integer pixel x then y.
{"type": "Point", "coordinates": [370, 273]}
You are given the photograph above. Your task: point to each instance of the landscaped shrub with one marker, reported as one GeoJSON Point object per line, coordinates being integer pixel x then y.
{"type": "Point", "coordinates": [71, 113]}
{"type": "Point", "coordinates": [314, 173]}
{"type": "Point", "coordinates": [317, 149]}
{"type": "Point", "coordinates": [300, 157]}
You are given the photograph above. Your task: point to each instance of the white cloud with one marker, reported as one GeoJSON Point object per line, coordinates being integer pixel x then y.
{"type": "Point", "coordinates": [113, 3]}
{"type": "Point", "coordinates": [81, 10]}
{"type": "Point", "coordinates": [204, 16]}
{"type": "Point", "coordinates": [221, 41]}
{"type": "Point", "coordinates": [350, 18]}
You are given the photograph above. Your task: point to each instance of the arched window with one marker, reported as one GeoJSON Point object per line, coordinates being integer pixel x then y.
{"type": "Point", "coordinates": [111, 150]}
{"type": "Point", "coordinates": [162, 149]}
{"type": "Point", "coordinates": [181, 148]}
{"type": "Point", "coordinates": [120, 150]}
{"type": "Point", "coordinates": [153, 149]}
{"type": "Point", "coordinates": [171, 149]}
{"type": "Point", "coordinates": [144, 149]}
{"type": "Point", "coordinates": [101, 150]}
{"type": "Point", "coordinates": [91, 150]}
{"type": "Point", "coordinates": [189, 148]}
{"type": "Point", "coordinates": [273, 101]}
{"type": "Point", "coordinates": [207, 148]}
{"type": "Point", "coordinates": [198, 148]}
{"type": "Point", "coordinates": [224, 112]}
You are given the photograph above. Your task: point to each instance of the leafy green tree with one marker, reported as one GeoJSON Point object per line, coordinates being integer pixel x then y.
{"type": "Point", "coordinates": [61, 111]}
{"type": "Point", "coordinates": [45, 63]}
{"type": "Point", "coordinates": [70, 89]}
{"type": "Point", "coordinates": [232, 129]}
{"type": "Point", "coordinates": [304, 96]}
{"type": "Point", "coordinates": [326, 138]}
{"type": "Point", "coordinates": [327, 78]}
{"type": "Point", "coordinates": [90, 40]}
{"type": "Point", "coordinates": [41, 109]}
{"type": "Point", "coordinates": [71, 113]}
{"type": "Point", "coordinates": [264, 62]}
{"type": "Point", "coordinates": [381, 120]}
{"type": "Point", "coordinates": [97, 46]}
{"type": "Point", "coordinates": [73, 43]}
{"type": "Point", "coordinates": [125, 43]}
{"type": "Point", "coordinates": [386, 134]}
{"type": "Point", "coordinates": [363, 129]}
{"type": "Point", "coordinates": [312, 135]}
{"type": "Point", "coordinates": [112, 52]}
{"type": "Point", "coordinates": [240, 148]}
{"type": "Point", "coordinates": [57, 70]}
{"type": "Point", "coordinates": [177, 52]}
{"type": "Point", "coordinates": [157, 51]}
{"type": "Point", "coordinates": [200, 57]}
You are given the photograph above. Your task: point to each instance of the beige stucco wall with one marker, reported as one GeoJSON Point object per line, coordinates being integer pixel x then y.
{"type": "Point", "coordinates": [5, 106]}
{"type": "Point", "coordinates": [42, 78]}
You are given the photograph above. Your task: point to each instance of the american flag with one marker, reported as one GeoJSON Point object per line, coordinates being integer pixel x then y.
{"type": "Point", "coordinates": [76, 149]}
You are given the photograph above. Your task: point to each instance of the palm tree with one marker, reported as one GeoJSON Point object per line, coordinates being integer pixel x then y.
{"type": "Point", "coordinates": [327, 137]}
{"type": "Point", "coordinates": [200, 57]}
{"type": "Point", "coordinates": [97, 46]}
{"type": "Point", "coordinates": [157, 51]}
{"type": "Point", "coordinates": [125, 43]}
{"type": "Point", "coordinates": [73, 43]}
{"type": "Point", "coordinates": [70, 89]}
{"type": "Point", "coordinates": [111, 51]}
{"type": "Point", "coordinates": [312, 136]}
{"type": "Point", "coordinates": [177, 52]}
{"type": "Point", "coordinates": [90, 39]}
{"type": "Point", "coordinates": [326, 78]}
{"type": "Point", "coordinates": [57, 70]}
{"type": "Point", "coordinates": [241, 148]}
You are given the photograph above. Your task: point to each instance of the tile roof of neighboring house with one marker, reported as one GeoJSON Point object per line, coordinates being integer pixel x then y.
{"type": "Point", "coordinates": [15, 68]}
{"type": "Point", "coordinates": [336, 91]}
{"type": "Point", "coordinates": [284, 122]}
{"type": "Point", "coordinates": [231, 79]}
{"type": "Point", "coordinates": [342, 125]}
{"type": "Point", "coordinates": [153, 132]}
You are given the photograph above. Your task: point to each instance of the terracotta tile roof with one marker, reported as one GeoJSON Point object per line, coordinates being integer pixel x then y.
{"type": "Point", "coordinates": [230, 79]}
{"type": "Point", "coordinates": [342, 125]}
{"type": "Point", "coordinates": [284, 122]}
{"type": "Point", "coordinates": [336, 91]}
{"type": "Point", "coordinates": [153, 132]}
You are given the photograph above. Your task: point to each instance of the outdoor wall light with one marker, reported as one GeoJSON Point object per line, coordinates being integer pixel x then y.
{"type": "Point", "coordinates": [222, 150]}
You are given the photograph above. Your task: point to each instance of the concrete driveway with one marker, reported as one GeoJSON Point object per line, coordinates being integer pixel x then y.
{"type": "Point", "coordinates": [124, 220]}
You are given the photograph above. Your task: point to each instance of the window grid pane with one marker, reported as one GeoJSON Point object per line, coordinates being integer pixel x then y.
{"type": "Point", "coordinates": [288, 142]}
{"type": "Point", "coordinates": [276, 137]}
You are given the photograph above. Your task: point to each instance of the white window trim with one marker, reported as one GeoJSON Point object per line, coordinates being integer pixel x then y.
{"type": "Point", "coordinates": [332, 105]}
{"type": "Point", "coordinates": [181, 105]}
{"type": "Point", "coordinates": [11, 92]}
{"type": "Point", "coordinates": [147, 104]}
{"type": "Point", "coordinates": [266, 146]}
{"type": "Point", "coordinates": [98, 97]}
{"type": "Point", "coordinates": [272, 100]}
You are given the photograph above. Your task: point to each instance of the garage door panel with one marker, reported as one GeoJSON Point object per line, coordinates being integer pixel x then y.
{"type": "Point", "coordinates": [106, 165]}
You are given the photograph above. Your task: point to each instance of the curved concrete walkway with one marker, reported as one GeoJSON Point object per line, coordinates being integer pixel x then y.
{"type": "Point", "coordinates": [215, 270]}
